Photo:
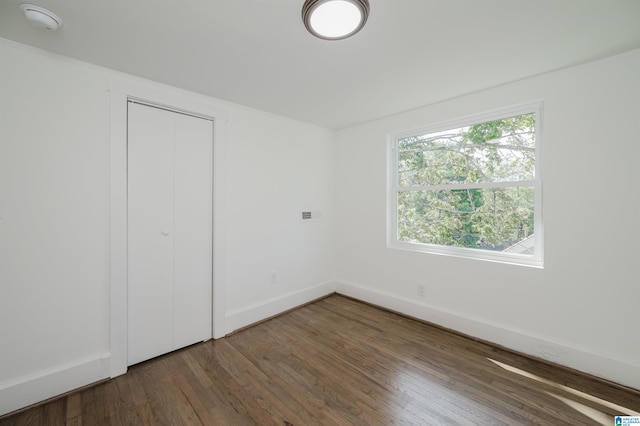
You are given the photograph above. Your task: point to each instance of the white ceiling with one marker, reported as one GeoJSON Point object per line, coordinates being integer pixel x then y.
{"type": "Point", "coordinates": [257, 52]}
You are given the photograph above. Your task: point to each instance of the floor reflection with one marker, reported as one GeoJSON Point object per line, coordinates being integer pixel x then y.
{"type": "Point", "coordinates": [600, 416]}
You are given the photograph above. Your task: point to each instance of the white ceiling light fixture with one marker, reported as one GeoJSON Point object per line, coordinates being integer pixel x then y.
{"type": "Point", "coordinates": [334, 19]}
{"type": "Point", "coordinates": [40, 17]}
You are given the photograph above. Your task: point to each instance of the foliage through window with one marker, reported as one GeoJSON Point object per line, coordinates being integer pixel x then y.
{"type": "Point", "coordinates": [470, 189]}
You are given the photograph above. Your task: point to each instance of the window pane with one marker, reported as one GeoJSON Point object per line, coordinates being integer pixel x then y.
{"type": "Point", "coordinates": [495, 151]}
{"type": "Point", "coordinates": [497, 219]}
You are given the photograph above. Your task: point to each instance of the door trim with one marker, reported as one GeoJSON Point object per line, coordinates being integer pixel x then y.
{"type": "Point", "coordinates": [121, 91]}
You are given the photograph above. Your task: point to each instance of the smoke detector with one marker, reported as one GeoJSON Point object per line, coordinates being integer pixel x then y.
{"type": "Point", "coordinates": [40, 17]}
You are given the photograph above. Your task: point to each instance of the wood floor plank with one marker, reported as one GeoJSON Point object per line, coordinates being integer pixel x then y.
{"type": "Point", "coordinates": [54, 414]}
{"type": "Point", "coordinates": [74, 409]}
{"type": "Point", "coordinates": [338, 361]}
{"type": "Point", "coordinates": [371, 361]}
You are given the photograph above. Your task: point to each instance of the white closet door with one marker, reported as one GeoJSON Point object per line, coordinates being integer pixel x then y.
{"type": "Point", "coordinates": [193, 243]}
{"type": "Point", "coordinates": [169, 231]}
{"type": "Point", "coordinates": [150, 214]}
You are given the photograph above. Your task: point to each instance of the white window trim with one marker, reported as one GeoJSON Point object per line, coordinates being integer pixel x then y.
{"type": "Point", "coordinates": [535, 260]}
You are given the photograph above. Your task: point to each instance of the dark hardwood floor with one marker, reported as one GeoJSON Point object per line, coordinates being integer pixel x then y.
{"type": "Point", "coordinates": [341, 362]}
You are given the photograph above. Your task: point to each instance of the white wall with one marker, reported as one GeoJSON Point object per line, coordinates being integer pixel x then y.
{"type": "Point", "coordinates": [54, 231]}
{"type": "Point", "coordinates": [276, 169]}
{"type": "Point", "coordinates": [54, 246]}
{"type": "Point", "coordinates": [581, 310]}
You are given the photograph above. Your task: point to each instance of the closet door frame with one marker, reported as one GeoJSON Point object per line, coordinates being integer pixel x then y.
{"type": "Point", "coordinates": [121, 91]}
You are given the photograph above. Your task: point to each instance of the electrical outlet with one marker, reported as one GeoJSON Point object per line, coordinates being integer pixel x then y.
{"type": "Point", "coordinates": [421, 290]}
{"type": "Point", "coordinates": [274, 278]}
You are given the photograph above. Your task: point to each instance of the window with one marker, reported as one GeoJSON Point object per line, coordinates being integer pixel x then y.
{"type": "Point", "coordinates": [470, 188]}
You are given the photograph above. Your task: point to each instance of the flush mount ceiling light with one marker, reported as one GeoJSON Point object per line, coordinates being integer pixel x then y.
{"type": "Point", "coordinates": [334, 19]}
{"type": "Point", "coordinates": [40, 17]}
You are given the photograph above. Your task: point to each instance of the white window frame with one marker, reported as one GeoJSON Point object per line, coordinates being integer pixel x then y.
{"type": "Point", "coordinates": [535, 260]}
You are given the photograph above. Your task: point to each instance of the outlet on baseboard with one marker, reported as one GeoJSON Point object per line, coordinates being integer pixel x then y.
{"type": "Point", "coordinates": [274, 277]}
{"type": "Point", "coordinates": [422, 292]}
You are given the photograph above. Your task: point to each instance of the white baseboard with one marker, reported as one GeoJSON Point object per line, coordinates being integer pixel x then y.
{"type": "Point", "coordinates": [257, 312]}
{"type": "Point", "coordinates": [40, 386]}
{"type": "Point", "coordinates": [606, 366]}
{"type": "Point", "coordinates": [36, 387]}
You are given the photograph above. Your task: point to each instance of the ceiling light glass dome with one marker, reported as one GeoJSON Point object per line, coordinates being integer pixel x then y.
{"type": "Point", "coordinates": [334, 19]}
